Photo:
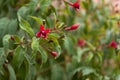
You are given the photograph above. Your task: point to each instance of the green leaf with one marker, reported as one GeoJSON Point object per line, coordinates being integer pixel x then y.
{"type": "Point", "coordinates": [35, 44]}
{"type": "Point", "coordinates": [115, 17]}
{"type": "Point", "coordinates": [90, 46]}
{"type": "Point", "coordinates": [69, 45]}
{"type": "Point", "coordinates": [80, 52]}
{"type": "Point", "coordinates": [100, 57]}
{"type": "Point", "coordinates": [37, 19]}
{"type": "Point", "coordinates": [43, 54]}
{"type": "Point", "coordinates": [2, 57]}
{"type": "Point", "coordinates": [24, 25]}
{"type": "Point", "coordinates": [89, 56]}
{"type": "Point", "coordinates": [54, 10]}
{"type": "Point", "coordinates": [58, 49]}
{"type": "Point", "coordinates": [18, 57]}
{"type": "Point", "coordinates": [54, 37]}
{"type": "Point", "coordinates": [6, 39]}
{"type": "Point", "coordinates": [45, 3]}
{"type": "Point", "coordinates": [109, 34]}
{"type": "Point", "coordinates": [87, 71]}
{"type": "Point", "coordinates": [12, 26]}
{"type": "Point", "coordinates": [30, 68]}
{"type": "Point", "coordinates": [4, 50]}
{"type": "Point", "coordinates": [36, 47]}
{"type": "Point", "coordinates": [57, 73]}
{"type": "Point", "coordinates": [60, 25]}
{"type": "Point", "coordinates": [16, 38]}
{"type": "Point", "coordinates": [11, 72]}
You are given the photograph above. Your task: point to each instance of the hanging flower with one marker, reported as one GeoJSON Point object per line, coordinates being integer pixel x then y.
{"type": "Point", "coordinates": [81, 42]}
{"type": "Point", "coordinates": [112, 44]}
{"type": "Point", "coordinates": [43, 32]}
{"type": "Point", "coordinates": [73, 27]}
{"type": "Point", "coordinates": [75, 5]}
{"type": "Point", "coordinates": [54, 54]}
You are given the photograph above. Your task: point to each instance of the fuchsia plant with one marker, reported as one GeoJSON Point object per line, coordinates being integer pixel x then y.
{"type": "Point", "coordinates": [79, 51]}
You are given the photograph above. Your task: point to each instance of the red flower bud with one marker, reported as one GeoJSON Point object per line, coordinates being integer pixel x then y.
{"type": "Point", "coordinates": [73, 27]}
{"type": "Point", "coordinates": [75, 5]}
{"type": "Point", "coordinates": [12, 37]}
{"type": "Point", "coordinates": [53, 53]}
{"type": "Point", "coordinates": [81, 42]}
{"type": "Point", "coordinates": [112, 44]}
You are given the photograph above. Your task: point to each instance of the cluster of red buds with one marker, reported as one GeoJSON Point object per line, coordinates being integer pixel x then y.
{"type": "Point", "coordinates": [42, 33]}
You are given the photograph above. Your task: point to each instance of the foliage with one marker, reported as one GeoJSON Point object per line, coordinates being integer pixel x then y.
{"type": "Point", "coordinates": [90, 51]}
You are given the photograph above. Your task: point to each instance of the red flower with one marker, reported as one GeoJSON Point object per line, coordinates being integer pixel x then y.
{"type": "Point", "coordinates": [112, 44]}
{"type": "Point", "coordinates": [81, 42]}
{"type": "Point", "coordinates": [43, 32]}
{"type": "Point", "coordinates": [75, 5]}
{"type": "Point", "coordinates": [73, 27]}
{"type": "Point", "coordinates": [53, 53]}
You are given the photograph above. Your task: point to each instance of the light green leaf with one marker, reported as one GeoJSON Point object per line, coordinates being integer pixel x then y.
{"type": "Point", "coordinates": [24, 25]}
{"type": "Point", "coordinates": [11, 72]}
{"type": "Point", "coordinates": [53, 35]}
{"type": "Point", "coordinates": [89, 56]}
{"type": "Point", "coordinates": [35, 44]}
{"type": "Point", "coordinates": [30, 68]}
{"type": "Point", "coordinates": [69, 45]}
{"type": "Point", "coordinates": [87, 71]}
{"type": "Point", "coordinates": [37, 19]}
{"type": "Point", "coordinates": [80, 52]}
{"type": "Point", "coordinates": [90, 46]}
{"type": "Point", "coordinates": [6, 42]}
{"type": "Point", "coordinates": [60, 25]}
{"type": "Point", "coordinates": [43, 54]}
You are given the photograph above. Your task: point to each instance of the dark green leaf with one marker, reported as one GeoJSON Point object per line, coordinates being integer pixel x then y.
{"type": "Point", "coordinates": [36, 47]}
{"type": "Point", "coordinates": [18, 57]}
